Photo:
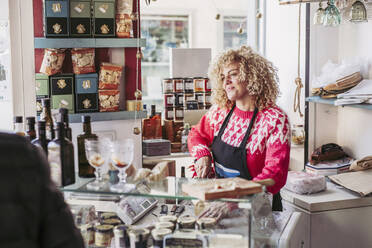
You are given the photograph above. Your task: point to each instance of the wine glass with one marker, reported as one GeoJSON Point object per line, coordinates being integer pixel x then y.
{"type": "Point", "coordinates": [97, 157]}
{"type": "Point", "coordinates": [122, 153]}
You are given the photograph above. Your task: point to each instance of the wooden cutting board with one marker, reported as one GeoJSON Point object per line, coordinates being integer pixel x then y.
{"type": "Point", "coordinates": [221, 188]}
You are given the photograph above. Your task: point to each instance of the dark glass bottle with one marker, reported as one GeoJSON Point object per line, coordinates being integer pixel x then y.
{"type": "Point", "coordinates": [61, 158]}
{"type": "Point", "coordinates": [183, 174]}
{"type": "Point", "coordinates": [153, 111]}
{"type": "Point", "coordinates": [30, 128]}
{"type": "Point", "coordinates": [18, 126]}
{"type": "Point", "coordinates": [64, 118]}
{"type": "Point", "coordinates": [41, 140]}
{"type": "Point", "coordinates": [46, 116]}
{"type": "Point", "coordinates": [85, 170]}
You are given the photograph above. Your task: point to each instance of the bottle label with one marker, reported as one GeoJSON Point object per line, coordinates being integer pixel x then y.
{"type": "Point", "coordinates": [54, 158]}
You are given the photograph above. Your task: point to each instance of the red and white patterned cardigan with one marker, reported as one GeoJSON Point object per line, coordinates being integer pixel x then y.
{"type": "Point", "coordinates": [268, 147]}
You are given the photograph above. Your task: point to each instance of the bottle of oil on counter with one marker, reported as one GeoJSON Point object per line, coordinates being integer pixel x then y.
{"type": "Point", "coordinates": [85, 170]}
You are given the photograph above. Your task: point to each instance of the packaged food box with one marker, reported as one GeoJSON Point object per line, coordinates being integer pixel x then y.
{"type": "Point", "coordinates": [108, 100]}
{"type": "Point", "coordinates": [156, 147]}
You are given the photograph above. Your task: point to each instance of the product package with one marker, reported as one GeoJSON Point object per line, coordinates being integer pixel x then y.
{"type": "Point", "coordinates": [109, 76]}
{"type": "Point", "coordinates": [124, 7]}
{"type": "Point", "coordinates": [83, 60]}
{"type": "Point", "coordinates": [52, 61]}
{"type": "Point", "coordinates": [305, 183]}
{"type": "Point", "coordinates": [108, 100]}
{"type": "Point", "coordinates": [124, 26]}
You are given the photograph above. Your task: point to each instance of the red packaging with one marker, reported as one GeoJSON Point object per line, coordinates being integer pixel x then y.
{"type": "Point", "coordinates": [52, 61]}
{"type": "Point", "coordinates": [109, 76]}
{"type": "Point", "coordinates": [124, 26]}
{"type": "Point", "coordinates": [108, 100]}
{"type": "Point", "coordinates": [83, 60]}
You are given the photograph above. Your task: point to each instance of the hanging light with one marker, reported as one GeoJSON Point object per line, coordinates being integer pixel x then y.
{"type": "Point", "coordinates": [332, 15]}
{"type": "Point", "coordinates": [240, 29]}
{"type": "Point", "coordinates": [358, 12]}
{"type": "Point", "coordinates": [319, 15]}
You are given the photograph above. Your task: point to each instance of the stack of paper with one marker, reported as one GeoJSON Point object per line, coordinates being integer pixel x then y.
{"type": "Point", "coordinates": [333, 167]}
{"type": "Point", "coordinates": [361, 93]}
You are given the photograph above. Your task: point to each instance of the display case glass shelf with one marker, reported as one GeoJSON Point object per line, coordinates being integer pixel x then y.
{"type": "Point", "coordinates": [108, 116]}
{"type": "Point", "coordinates": [88, 42]}
{"type": "Point", "coordinates": [318, 99]}
{"type": "Point", "coordinates": [169, 188]}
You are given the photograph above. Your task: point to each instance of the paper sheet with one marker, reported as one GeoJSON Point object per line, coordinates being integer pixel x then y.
{"type": "Point", "coordinates": [359, 181]}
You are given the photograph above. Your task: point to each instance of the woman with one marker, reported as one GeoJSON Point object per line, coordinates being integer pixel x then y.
{"type": "Point", "coordinates": [244, 133]}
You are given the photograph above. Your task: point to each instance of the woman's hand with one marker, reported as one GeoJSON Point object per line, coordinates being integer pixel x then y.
{"type": "Point", "coordinates": [203, 166]}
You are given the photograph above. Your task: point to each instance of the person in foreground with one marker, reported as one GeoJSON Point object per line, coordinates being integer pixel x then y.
{"type": "Point", "coordinates": [244, 133]}
{"type": "Point", "coordinates": [32, 210]}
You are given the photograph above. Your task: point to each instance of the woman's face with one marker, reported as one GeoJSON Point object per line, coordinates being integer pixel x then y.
{"type": "Point", "coordinates": [235, 90]}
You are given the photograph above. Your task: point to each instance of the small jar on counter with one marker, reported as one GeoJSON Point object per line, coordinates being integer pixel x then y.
{"type": "Point", "coordinates": [178, 85]}
{"type": "Point", "coordinates": [103, 235]}
{"type": "Point", "coordinates": [87, 232]}
{"type": "Point", "coordinates": [167, 85]}
{"type": "Point", "coordinates": [186, 222]}
{"type": "Point", "coordinates": [112, 221]}
{"type": "Point", "coordinates": [158, 235]}
{"type": "Point", "coordinates": [298, 134]}
{"type": "Point", "coordinates": [121, 237]}
{"type": "Point", "coordinates": [188, 85]}
{"type": "Point", "coordinates": [138, 237]}
{"type": "Point", "coordinates": [206, 223]}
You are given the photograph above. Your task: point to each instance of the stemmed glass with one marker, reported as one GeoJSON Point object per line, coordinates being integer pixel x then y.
{"type": "Point", "coordinates": [122, 153]}
{"type": "Point", "coordinates": [97, 156]}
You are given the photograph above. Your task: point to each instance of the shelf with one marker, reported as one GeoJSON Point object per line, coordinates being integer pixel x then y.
{"type": "Point", "coordinates": [169, 188]}
{"type": "Point", "coordinates": [108, 116]}
{"type": "Point", "coordinates": [318, 99]}
{"type": "Point", "coordinates": [155, 63]}
{"type": "Point", "coordinates": [87, 42]}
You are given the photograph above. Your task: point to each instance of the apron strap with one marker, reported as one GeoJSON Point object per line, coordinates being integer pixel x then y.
{"type": "Point", "coordinates": [251, 122]}
{"type": "Point", "coordinates": [225, 122]}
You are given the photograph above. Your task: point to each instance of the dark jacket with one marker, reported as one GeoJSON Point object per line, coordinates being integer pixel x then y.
{"type": "Point", "coordinates": [32, 210]}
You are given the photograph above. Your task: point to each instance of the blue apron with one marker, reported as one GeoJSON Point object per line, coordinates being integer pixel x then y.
{"type": "Point", "coordinates": [231, 161]}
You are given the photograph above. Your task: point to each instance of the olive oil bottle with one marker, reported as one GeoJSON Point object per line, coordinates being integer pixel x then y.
{"type": "Point", "coordinates": [85, 170]}
{"type": "Point", "coordinates": [47, 117]}
{"type": "Point", "coordinates": [41, 140]}
{"type": "Point", "coordinates": [61, 158]}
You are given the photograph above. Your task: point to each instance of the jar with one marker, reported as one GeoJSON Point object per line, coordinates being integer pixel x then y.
{"type": "Point", "coordinates": [198, 84]}
{"type": "Point", "coordinates": [188, 85]}
{"type": "Point", "coordinates": [168, 100]}
{"type": "Point", "coordinates": [158, 235]}
{"type": "Point", "coordinates": [206, 223]}
{"type": "Point", "coordinates": [200, 98]}
{"type": "Point", "coordinates": [178, 113]}
{"type": "Point", "coordinates": [207, 98]}
{"type": "Point", "coordinates": [167, 85]}
{"type": "Point", "coordinates": [169, 113]}
{"type": "Point", "coordinates": [178, 100]}
{"type": "Point", "coordinates": [166, 224]}
{"type": "Point", "coordinates": [298, 134]}
{"type": "Point", "coordinates": [186, 221]}
{"type": "Point", "coordinates": [168, 218]}
{"type": "Point", "coordinates": [87, 232]}
{"type": "Point", "coordinates": [178, 85]}
{"type": "Point", "coordinates": [112, 221]}
{"type": "Point", "coordinates": [103, 235]}
{"type": "Point", "coordinates": [190, 105]}
{"type": "Point", "coordinates": [207, 85]}
{"type": "Point", "coordinates": [121, 237]}
{"type": "Point", "coordinates": [138, 237]}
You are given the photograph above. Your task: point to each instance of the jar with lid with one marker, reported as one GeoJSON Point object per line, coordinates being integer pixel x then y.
{"type": "Point", "coordinates": [168, 218]}
{"type": "Point", "coordinates": [112, 221]}
{"type": "Point", "coordinates": [186, 221]}
{"type": "Point", "coordinates": [165, 224]}
{"type": "Point", "coordinates": [169, 113]}
{"type": "Point", "coordinates": [178, 85]}
{"type": "Point", "coordinates": [158, 235]}
{"type": "Point", "coordinates": [87, 232]}
{"type": "Point", "coordinates": [298, 134]}
{"type": "Point", "coordinates": [178, 113]}
{"type": "Point", "coordinates": [199, 84]}
{"type": "Point", "coordinates": [207, 85]}
{"type": "Point", "coordinates": [188, 85]}
{"type": "Point", "coordinates": [138, 237]}
{"type": "Point", "coordinates": [178, 99]}
{"type": "Point", "coordinates": [167, 85]}
{"type": "Point", "coordinates": [206, 223]}
{"type": "Point", "coordinates": [103, 235]}
{"type": "Point", "coordinates": [168, 100]}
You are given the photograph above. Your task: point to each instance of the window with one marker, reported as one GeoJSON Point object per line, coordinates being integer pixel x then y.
{"type": "Point", "coordinates": [161, 33]}
{"type": "Point", "coordinates": [232, 38]}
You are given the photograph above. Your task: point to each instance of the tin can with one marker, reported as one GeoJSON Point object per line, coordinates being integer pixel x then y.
{"type": "Point", "coordinates": [103, 235]}
{"type": "Point", "coordinates": [167, 85]}
{"type": "Point", "coordinates": [178, 85]}
{"type": "Point", "coordinates": [188, 85]}
{"type": "Point", "coordinates": [168, 100]}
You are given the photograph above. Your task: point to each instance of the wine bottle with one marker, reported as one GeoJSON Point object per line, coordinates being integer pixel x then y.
{"type": "Point", "coordinates": [85, 170]}
{"type": "Point", "coordinates": [18, 126]}
{"type": "Point", "coordinates": [41, 140]}
{"type": "Point", "coordinates": [64, 118]}
{"type": "Point", "coordinates": [30, 128]}
{"type": "Point", "coordinates": [61, 158]}
{"type": "Point", "coordinates": [46, 116]}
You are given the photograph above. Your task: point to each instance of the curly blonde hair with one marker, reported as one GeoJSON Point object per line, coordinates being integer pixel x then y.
{"type": "Point", "coordinates": [257, 73]}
